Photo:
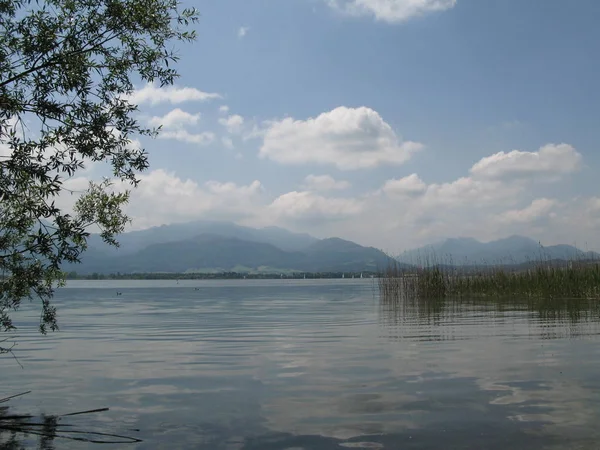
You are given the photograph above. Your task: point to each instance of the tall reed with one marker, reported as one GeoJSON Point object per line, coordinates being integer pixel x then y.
{"type": "Point", "coordinates": [539, 279]}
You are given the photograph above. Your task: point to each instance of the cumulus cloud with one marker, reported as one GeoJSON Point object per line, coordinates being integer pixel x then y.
{"type": "Point", "coordinates": [348, 138]}
{"type": "Point", "coordinates": [228, 188]}
{"type": "Point", "coordinates": [400, 213]}
{"type": "Point", "coordinates": [471, 192]}
{"type": "Point", "coordinates": [73, 188]}
{"type": "Point", "coordinates": [23, 127]}
{"type": "Point", "coordinates": [243, 31]}
{"type": "Point", "coordinates": [411, 185]}
{"type": "Point", "coordinates": [175, 119]}
{"type": "Point", "coordinates": [549, 161]}
{"type": "Point", "coordinates": [324, 183]}
{"type": "Point", "coordinates": [223, 109]}
{"type": "Point", "coordinates": [410, 212]}
{"type": "Point", "coordinates": [539, 208]}
{"type": "Point", "coordinates": [392, 11]}
{"type": "Point", "coordinates": [307, 206]}
{"type": "Point", "coordinates": [154, 95]}
{"type": "Point", "coordinates": [163, 197]}
{"type": "Point", "coordinates": [234, 123]}
{"type": "Point", "coordinates": [484, 205]}
{"type": "Point", "coordinates": [182, 135]}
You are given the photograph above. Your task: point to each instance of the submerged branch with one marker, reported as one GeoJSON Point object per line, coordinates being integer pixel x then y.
{"type": "Point", "coordinates": [49, 428]}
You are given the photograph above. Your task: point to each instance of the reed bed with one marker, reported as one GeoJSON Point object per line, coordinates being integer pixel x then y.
{"type": "Point", "coordinates": [543, 279]}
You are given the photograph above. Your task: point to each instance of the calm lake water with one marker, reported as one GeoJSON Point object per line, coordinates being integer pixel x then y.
{"type": "Point", "coordinates": [307, 364]}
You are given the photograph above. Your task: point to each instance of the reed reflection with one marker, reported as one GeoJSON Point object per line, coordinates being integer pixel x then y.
{"type": "Point", "coordinates": [442, 318]}
{"type": "Point", "coordinates": [20, 431]}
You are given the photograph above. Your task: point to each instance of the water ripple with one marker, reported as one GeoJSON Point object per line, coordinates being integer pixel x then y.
{"type": "Point", "coordinates": [319, 365]}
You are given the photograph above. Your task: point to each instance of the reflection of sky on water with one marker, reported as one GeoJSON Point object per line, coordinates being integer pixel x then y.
{"type": "Point", "coordinates": [314, 365]}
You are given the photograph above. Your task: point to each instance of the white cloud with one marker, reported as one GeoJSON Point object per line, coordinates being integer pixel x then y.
{"type": "Point", "coordinates": [483, 205]}
{"type": "Point", "coordinates": [408, 212]}
{"type": "Point", "coordinates": [243, 31]}
{"type": "Point", "coordinates": [223, 109]}
{"type": "Point", "coordinates": [73, 188]}
{"type": "Point", "coordinates": [549, 161]}
{"type": "Point", "coordinates": [402, 213]}
{"type": "Point", "coordinates": [227, 188]}
{"type": "Point", "coordinates": [22, 127]}
{"type": "Point", "coordinates": [6, 128]}
{"type": "Point", "coordinates": [163, 197]}
{"type": "Point", "coordinates": [233, 123]}
{"type": "Point", "coordinates": [170, 94]}
{"type": "Point", "coordinates": [348, 138]}
{"type": "Point", "coordinates": [324, 183]}
{"type": "Point", "coordinates": [310, 207]}
{"type": "Point", "coordinates": [392, 11]}
{"type": "Point", "coordinates": [470, 192]}
{"type": "Point", "coordinates": [182, 135]}
{"type": "Point", "coordinates": [410, 185]}
{"type": "Point", "coordinates": [539, 208]}
{"type": "Point", "coordinates": [257, 131]}
{"type": "Point", "coordinates": [175, 119]}
{"type": "Point", "coordinates": [5, 151]}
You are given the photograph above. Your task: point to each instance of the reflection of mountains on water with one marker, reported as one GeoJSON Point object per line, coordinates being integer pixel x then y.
{"type": "Point", "coordinates": [467, 318]}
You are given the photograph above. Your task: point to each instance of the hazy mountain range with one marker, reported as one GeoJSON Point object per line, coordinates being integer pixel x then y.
{"type": "Point", "coordinates": [511, 250]}
{"type": "Point", "coordinates": [221, 247]}
{"type": "Point", "coordinates": [137, 240]}
{"type": "Point", "coordinates": [207, 246]}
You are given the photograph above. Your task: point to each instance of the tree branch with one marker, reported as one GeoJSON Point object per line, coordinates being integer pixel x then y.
{"type": "Point", "coordinates": [53, 61]}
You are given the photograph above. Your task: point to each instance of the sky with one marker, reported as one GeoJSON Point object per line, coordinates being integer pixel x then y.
{"type": "Point", "coordinates": [392, 123]}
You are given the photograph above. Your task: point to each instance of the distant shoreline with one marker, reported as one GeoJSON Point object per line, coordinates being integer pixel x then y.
{"type": "Point", "coordinates": [220, 276]}
{"type": "Point", "coordinates": [464, 269]}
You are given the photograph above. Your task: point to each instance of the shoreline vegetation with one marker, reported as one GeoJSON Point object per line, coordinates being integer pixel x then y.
{"type": "Point", "coordinates": [429, 278]}
{"type": "Point", "coordinates": [541, 279]}
{"type": "Point", "coordinates": [219, 276]}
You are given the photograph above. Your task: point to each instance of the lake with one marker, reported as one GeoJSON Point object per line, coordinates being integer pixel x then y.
{"type": "Point", "coordinates": [308, 364]}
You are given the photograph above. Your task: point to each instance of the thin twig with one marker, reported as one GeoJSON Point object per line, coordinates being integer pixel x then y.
{"type": "Point", "coordinates": [129, 440]}
{"type": "Point", "coordinates": [5, 399]}
{"type": "Point", "coordinates": [85, 412]}
{"type": "Point", "coordinates": [22, 424]}
{"type": "Point", "coordinates": [15, 417]}
{"type": "Point", "coordinates": [4, 350]}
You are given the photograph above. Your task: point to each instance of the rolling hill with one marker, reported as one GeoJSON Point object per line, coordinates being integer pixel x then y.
{"type": "Point", "coordinates": [134, 241]}
{"type": "Point", "coordinates": [218, 252]}
{"type": "Point", "coordinates": [207, 246]}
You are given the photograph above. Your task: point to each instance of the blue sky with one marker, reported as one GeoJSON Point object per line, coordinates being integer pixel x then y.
{"type": "Point", "coordinates": [401, 113]}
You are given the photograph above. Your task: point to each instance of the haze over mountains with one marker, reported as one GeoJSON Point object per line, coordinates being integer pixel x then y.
{"type": "Point", "coordinates": [137, 240]}
{"type": "Point", "coordinates": [223, 246]}
{"type": "Point", "coordinates": [208, 246]}
{"type": "Point", "coordinates": [510, 250]}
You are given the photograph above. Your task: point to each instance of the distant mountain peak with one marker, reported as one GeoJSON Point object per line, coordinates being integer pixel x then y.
{"type": "Point", "coordinates": [225, 246]}
{"type": "Point", "coordinates": [513, 249]}
{"type": "Point", "coordinates": [136, 240]}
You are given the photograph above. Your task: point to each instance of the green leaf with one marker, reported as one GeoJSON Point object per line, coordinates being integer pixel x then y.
{"type": "Point", "coordinates": [66, 68]}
